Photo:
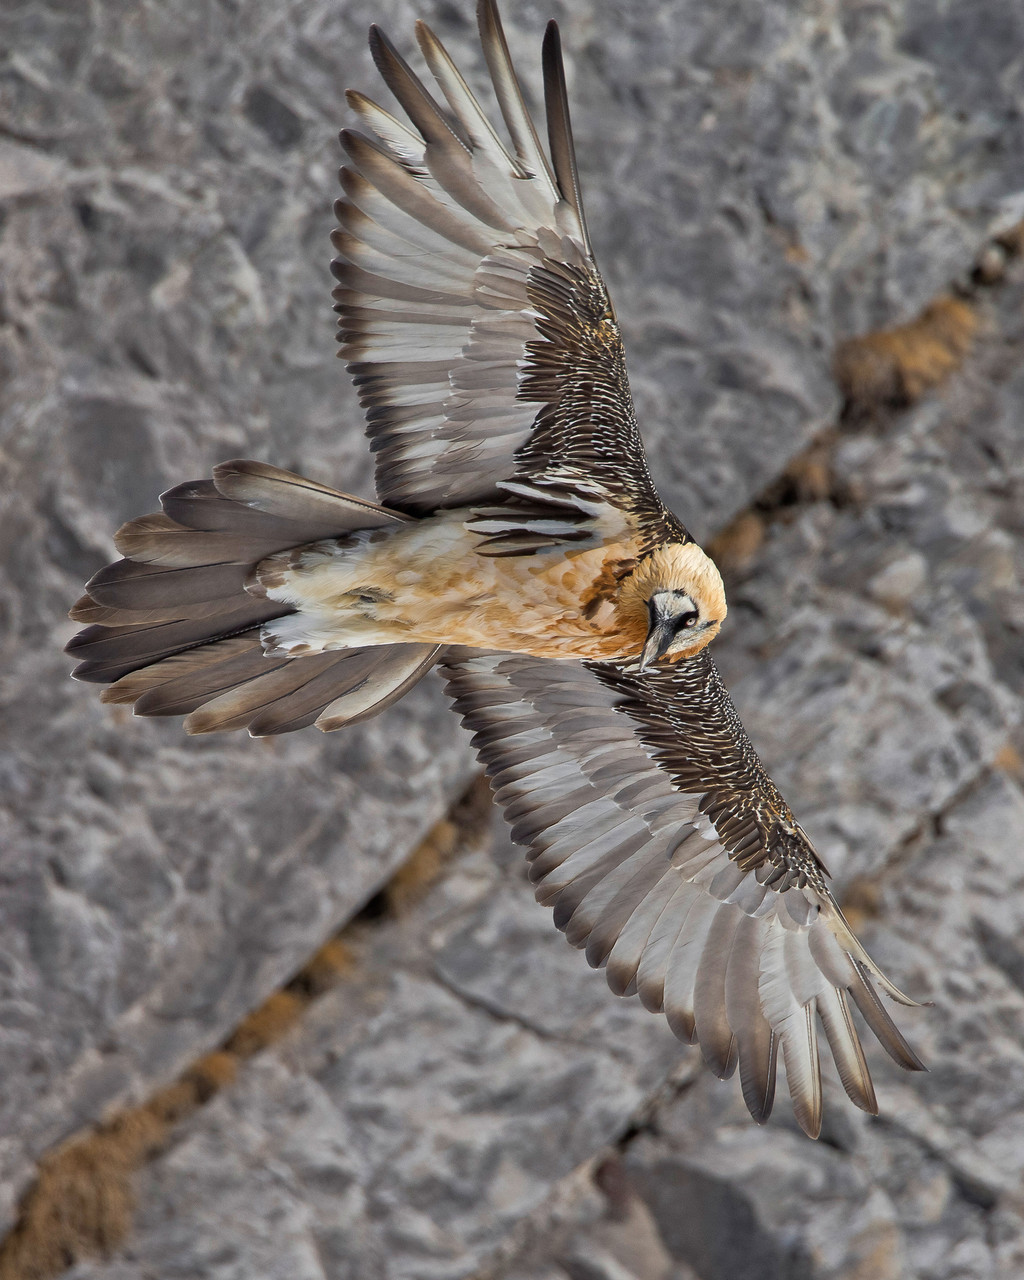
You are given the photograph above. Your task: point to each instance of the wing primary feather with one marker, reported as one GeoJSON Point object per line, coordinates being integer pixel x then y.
{"type": "Point", "coordinates": [683, 963]}
{"type": "Point", "coordinates": [448, 156]}
{"type": "Point", "coordinates": [714, 1035]}
{"type": "Point", "coordinates": [624, 959]}
{"type": "Point", "coordinates": [610, 924]}
{"type": "Point", "coordinates": [384, 173]}
{"type": "Point", "coordinates": [606, 895]}
{"type": "Point", "coordinates": [405, 84]}
{"type": "Point", "coordinates": [850, 943]}
{"type": "Point", "coordinates": [758, 1081]}
{"type": "Point", "coordinates": [406, 143]}
{"type": "Point", "coordinates": [803, 1069]}
{"type": "Point", "coordinates": [756, 1042]}
{"type": "Point", "coordinates": [650, 974]}
{"type": "Point", "coordinates": [866, 998]}
{"type": "Point", "coordinates": [790, 1009]}
{"type": "Point", "coordinates": [556, 102]}
{"type": "Point", "coordinates": [510, 95]}
{"type": "Point", "coordinates": [463, 103]}
{"type": "Point", "coordinates": [834, 1011]}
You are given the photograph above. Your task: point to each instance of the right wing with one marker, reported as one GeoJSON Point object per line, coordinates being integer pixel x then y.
{"type": "Point", "coordinates": [668, 855]}
{"type": "Point", "coordinates": [478, 330]}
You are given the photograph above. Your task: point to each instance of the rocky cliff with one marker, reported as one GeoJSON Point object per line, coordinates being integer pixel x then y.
{"type": "Point", "coordinates": [806, 214]}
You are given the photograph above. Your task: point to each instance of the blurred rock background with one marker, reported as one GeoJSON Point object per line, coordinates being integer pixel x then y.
{"type": "Point", "coordinates": [806, 213]}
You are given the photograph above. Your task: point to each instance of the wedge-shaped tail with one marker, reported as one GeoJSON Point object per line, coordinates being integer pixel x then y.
{"type": "Point", "coordinates": [174, 631]}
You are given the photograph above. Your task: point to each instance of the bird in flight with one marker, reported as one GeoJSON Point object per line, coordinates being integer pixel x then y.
{"type": "Point", "coordinates": [519, 542]}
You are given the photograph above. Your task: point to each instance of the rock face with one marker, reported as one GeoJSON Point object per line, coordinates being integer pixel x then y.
{"type": "Point", "coordinates": [763, 180]}
{"type": "Point", "coordinates": [165, 305]}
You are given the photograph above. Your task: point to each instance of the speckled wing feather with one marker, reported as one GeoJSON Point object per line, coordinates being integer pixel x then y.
{"type": "Point", "coordinates": [478, 330]}
{"type": "Point", "coordinates": [669, 855]}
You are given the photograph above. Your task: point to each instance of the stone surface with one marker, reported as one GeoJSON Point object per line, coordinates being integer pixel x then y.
{"type": "Point", "coordinates": [930, 1189]}
{"type": "Point", "coordinates": [762, 180]}
{"type": "Point", "coordinates": [155, 889]}
{"type": "Point", "coordinates": [462, 1086]}
{"type": "Point", "coordinates": [164, 305]}
{"type": "Point", "coordinates": [421, 1110]}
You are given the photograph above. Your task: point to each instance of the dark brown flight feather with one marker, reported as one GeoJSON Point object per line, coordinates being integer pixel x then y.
{"type": "Point", "coordinates": [556, 105]}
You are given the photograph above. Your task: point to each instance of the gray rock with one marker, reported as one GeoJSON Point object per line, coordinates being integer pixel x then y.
{"type": "Point", "coordinates": [163, 251]}
{"type": "Point", "coordinates": [415, 1117]}
{"type": "Point", "coordinates": [931, 1187]}
{"type": "Point", "coordinates": [25, 171]}
{"type": "Point", "coordinates": [761, 181]}
{"type": "Point", "coordinates": [469, 1090]}
{"type": "Point", "coordinates": [156, 889]}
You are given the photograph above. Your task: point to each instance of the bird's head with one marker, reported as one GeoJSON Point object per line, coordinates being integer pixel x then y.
{"type": "Point", "coordinates": [682, 592]}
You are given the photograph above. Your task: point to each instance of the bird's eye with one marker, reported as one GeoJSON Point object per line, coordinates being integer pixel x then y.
{"type": "Point", "coordinates": [687, 620]}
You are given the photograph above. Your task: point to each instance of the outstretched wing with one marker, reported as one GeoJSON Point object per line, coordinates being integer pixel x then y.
{"type": "Point", "coordinates": [478, 330]}
{"type": "Point", "coordinates": [669, 855]}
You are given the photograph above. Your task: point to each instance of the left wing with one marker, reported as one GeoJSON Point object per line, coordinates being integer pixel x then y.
{"type": "Point", "coordinates": [669, 855]}
{"type": "Point", "coordinates": [478, 330]}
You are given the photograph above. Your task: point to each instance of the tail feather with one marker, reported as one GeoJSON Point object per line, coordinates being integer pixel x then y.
{"type": "Point", "coordinates": [109, 652]}
{"type": "Point", "coordinates": [156, 540]}
{"type": "Point", "coordinates": [199, 504]}
{"type": "Point", "coordinates": [126, 584]}
{"type": "Point", "coordinates": [176, 685]}
{"type": "Point", "coordinates": [396, 669]}
{"type": "Point", "coordinates": [291, 497]}
{"type": "Point", "coordinates": [174, 631]}
{"type": "Point", "coordinates": [86, 610]}
{"type": "Point", "coordinates": [350, 684]}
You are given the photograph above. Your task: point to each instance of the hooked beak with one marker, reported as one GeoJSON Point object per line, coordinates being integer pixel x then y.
{"type": "Point", "coordinates": [660, 635]}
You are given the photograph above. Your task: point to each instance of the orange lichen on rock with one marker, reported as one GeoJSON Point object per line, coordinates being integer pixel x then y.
{"type": "Point", "coordinates": [861, 902]}
{"type": "Point", "coordinates": [467, 821]}
{"type": "Point", "coordinates": [415, 876]}
{"type": "Point", "coordinates": [82, 1201]}
{"type": "Point", "coordinates": [274, 1018]}
{"type": "Point", "coordinates": [895, 367]}
{"type": "Point", "coordinates": [734, 549]}
{"type": "Point", "coordinates": [809, 475]}
{"type": "Point", "coordinates": [1009, 760]}
{"type": "Point", "coordinates": [332, 962]}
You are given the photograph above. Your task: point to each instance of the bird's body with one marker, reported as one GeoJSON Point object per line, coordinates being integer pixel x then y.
{"type": "Point", "coordinates": [522, 546]}
{"type": "Point", "coordinates": [427, 580]}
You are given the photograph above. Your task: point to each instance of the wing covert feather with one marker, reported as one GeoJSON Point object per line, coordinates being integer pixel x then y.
{"type": "Point", "coordinates": [636, 796]}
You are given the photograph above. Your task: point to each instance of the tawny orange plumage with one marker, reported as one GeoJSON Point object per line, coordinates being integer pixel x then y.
{"type": "Point", "coordinates": [521, 543]}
